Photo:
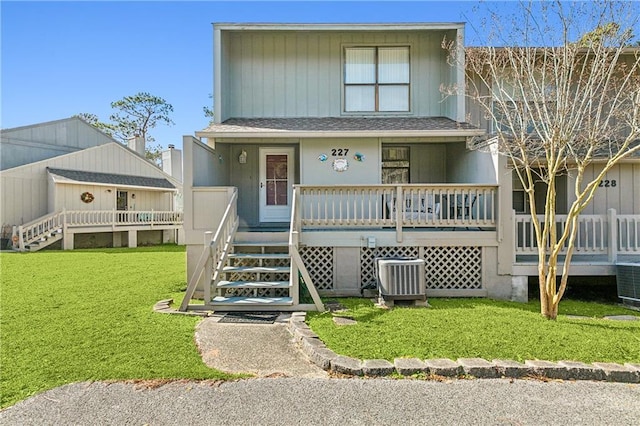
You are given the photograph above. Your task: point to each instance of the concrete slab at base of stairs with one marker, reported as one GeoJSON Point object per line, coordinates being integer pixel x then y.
{"type": "Point", "coordinates": [260, 349]}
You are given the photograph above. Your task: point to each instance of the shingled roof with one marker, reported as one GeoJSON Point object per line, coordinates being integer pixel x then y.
{"type": "Point", "coordinates": [111, 178]}
{"type": "Point", "coordinates": [339, 125]}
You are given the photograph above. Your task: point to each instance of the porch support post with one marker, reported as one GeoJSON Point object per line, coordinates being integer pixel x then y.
{"type": "Point", "coordinates": [399, 213]}
{"type": "Point", "coordinates": [208, 268]}
{"type": "Point", "coordinates": [612, 246]}
{"type": "Point", "coordinates": [67, 240]}
{"type": "Point", "coordinates": [117, 239]}
{"type": "Point", "coordinates": [20, 238]}
{"type": "Point", "coordinates": [133, 238]}
{"type": "Point", "coordinates": [67, 236]}
{"type": "Point", "coordinates": [295, 283]}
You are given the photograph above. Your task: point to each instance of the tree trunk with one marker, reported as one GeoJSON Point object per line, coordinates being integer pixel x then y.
{"type": "Point", "coordinates": [542, 283]}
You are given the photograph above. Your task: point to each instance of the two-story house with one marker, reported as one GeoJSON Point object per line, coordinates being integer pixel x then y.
{"type": "Point", "coordinates": [332, 146]}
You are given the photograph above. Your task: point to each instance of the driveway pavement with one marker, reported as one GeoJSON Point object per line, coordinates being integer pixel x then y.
{"type": "Point", "coordinates": [300, 401]}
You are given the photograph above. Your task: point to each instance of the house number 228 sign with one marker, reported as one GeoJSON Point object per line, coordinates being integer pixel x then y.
{"type": "Point", "coordinates": [608, 183]}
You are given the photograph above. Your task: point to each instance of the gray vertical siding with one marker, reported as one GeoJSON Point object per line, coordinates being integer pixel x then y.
{"type": "Point", "coordinates": [623, 196]}
{"type": "Point", "coordinates": [211, 167]}
{"type": "Point", "coordinates": [294, 74]}
{"type": "Point", "coordinates": [28, 144]}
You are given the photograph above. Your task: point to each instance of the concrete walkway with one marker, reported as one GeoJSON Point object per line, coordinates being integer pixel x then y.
{"type": "Point", "coordinates": [266, 350]}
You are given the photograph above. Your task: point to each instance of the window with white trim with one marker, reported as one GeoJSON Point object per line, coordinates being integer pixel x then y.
{"type": "Point", "coordinates": [376, 79]}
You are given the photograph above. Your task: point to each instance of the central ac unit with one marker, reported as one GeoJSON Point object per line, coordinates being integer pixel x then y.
{"type": "Point", "coordinates": [628, 281]}
{"type": "Point", "coordinates": [402, 279]}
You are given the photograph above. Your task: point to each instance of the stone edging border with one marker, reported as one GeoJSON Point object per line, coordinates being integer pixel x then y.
{"type": "Point", "coordinates": [328, 360]}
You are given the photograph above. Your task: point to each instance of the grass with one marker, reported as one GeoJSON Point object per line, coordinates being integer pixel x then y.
{"type": "Point", "coordinates": [87, 315]}
{"type": "Point", "coordinates": [469, 328]}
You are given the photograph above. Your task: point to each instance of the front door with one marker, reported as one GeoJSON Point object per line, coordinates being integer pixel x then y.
{"type": "Point", "coordinates": [276, 180]}
{"type": "Point", "coordinates": [122, 205]}
{"type": "Point", "coordinates": [122, 200]}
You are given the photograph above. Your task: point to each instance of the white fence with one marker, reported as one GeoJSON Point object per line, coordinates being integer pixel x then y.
{"type": "Point", "coordinates": [79, 218]}
{"type": "Point", "coordinates": [417, 205]}
{"type": "Point", "coordinates": [55, 222]}
{"type": "Point", "coordinates": [608, 234]}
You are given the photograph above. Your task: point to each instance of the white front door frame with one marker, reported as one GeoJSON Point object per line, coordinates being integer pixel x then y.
{"type": "Point", "coordinates": [270, 212]}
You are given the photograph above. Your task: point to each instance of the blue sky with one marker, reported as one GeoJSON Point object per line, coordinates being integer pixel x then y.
{"type": "Point", "coordinates": [63, 58]}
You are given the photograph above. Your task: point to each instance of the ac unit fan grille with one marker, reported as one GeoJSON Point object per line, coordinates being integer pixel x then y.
{"type": "Point", "coordinates": [402, 278]}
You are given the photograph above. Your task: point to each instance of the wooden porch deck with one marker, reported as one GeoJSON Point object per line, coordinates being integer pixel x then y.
{"type": "Point", "coordinates": [52, 227]}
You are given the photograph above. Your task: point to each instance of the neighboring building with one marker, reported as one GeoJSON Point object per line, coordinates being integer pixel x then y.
{"type": "Point", "coordinates": [608, 228]}
{"type": "Point", "coordinates": [332, 146]}
{"type": "Point", "coordinates": [98, 194]}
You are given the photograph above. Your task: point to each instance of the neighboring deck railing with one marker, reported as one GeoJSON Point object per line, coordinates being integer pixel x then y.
{"type": "Point", "coordinates": [214, 254]}
{"type": "Point", "coordinates": [609, 234]}
{"type": "Point", "coordinates": [400, 206]}
{"type": "Point", "coordinates": [26, 234]}
{"type": "Point", "coordinates": [79, 218]}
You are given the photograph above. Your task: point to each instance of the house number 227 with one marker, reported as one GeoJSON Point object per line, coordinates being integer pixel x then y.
{"type": "Point", "coordinates": [608, 183]}
{"type": "Point", "coordinates": [339, 152]}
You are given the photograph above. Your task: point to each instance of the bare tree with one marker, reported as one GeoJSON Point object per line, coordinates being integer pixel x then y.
{"type": "Point", "coordinates": [558, 98]}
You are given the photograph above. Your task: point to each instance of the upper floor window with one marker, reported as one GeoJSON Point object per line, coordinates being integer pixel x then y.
{"type": "Point", "coordinates": [376, 79]}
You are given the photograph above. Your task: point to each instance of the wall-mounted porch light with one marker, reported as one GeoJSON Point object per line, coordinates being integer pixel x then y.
{"type": "Point", "coordinates": [242, 158]}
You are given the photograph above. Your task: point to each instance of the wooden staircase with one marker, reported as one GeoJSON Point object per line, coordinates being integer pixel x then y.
{"type": "Point", "coordinates": [40, 233]}
{"type": "Point", "coordinates": [45, 240]}
{"type": "Point", "coordinates": [256, 278]}
{"type": "Point", "coordinates": [251, 271]}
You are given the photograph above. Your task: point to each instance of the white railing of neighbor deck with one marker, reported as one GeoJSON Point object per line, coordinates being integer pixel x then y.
{"type": "Point", "coordinates": [121, 218]}
{"type": "Point", "coordinates": [57, 221]}
{"type": "Point", "coordinates": [609, 234]}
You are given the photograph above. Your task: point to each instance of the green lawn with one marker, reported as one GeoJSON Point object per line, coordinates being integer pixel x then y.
{"type": "Point", "coordinates": [87, 315]}
{"type": "Point", "coordinates": [466, 328]}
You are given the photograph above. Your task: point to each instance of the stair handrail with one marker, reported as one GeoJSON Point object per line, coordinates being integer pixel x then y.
{"type": "Point", "coordinates": [216, 250]}
{"type": "Point", "coordinates": [37, 228]}
{"type": "Point", "coordinates": [297, 264]}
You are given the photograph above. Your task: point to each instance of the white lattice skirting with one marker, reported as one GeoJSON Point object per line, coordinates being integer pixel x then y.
{"type": "Point", "coordinates": [446, 268]}
{"type": "Point", "coordinates": [319, 264]}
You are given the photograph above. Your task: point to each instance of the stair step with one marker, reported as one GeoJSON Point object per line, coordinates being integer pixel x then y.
{"type": "Point", "coordinates": [261, 244]}
{"type": "Point", "coordinates": [261, 269]}
{"type": "Point", "coordinates": [259, 256]}
{"type": "Point", "coordinates": [252, 301]}
{"type": "Point", "coordinates": [254, 284]}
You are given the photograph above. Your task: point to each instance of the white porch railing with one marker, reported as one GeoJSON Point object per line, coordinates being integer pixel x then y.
{"type": "Point", "coordinates": [628, 233]}
{"type": "Point", "coordinates": [297, 264]}
{"type": "Point", "coordinates": [609, 234]}
{"type": "Point", "coordinates": [121, 218]}
{"type": "Point", "coordinates": [214, 254]}
{"type": "Point", "coordinates": [26, 234]}
{"type": "Point", "coordinates": [411, 205]}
